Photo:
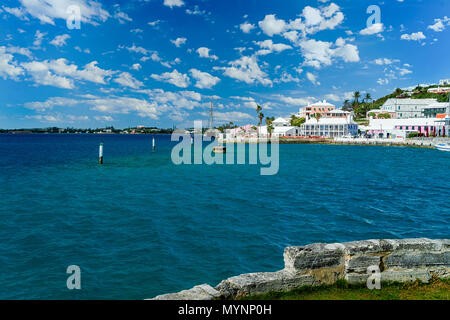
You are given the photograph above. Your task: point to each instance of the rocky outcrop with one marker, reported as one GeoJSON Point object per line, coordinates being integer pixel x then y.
{"type": "Point", "coordinates": [315, 264]}
{"type": "Point", "coordinates": [202, 292]}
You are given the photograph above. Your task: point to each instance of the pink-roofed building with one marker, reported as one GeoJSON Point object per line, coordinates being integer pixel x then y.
{"type": "Point", "coordinates": [322, 107]}
{"type": "Point", "coordinates": [242, 131]}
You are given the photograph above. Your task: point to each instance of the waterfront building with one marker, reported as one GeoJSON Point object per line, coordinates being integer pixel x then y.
{"type": "Point", "coordinates": [329, 127]}
{"type": "Point", "coordinates": [401, 128]}
{"type": "Point", "coordinates": [444, 82]}
{"type": "Point", "coordinates": [323, 108]}
{"type": "Point", "coordinates": [407, 108]}
{"type": "Point", "coordinates": [286, 131]}
{"type": "Point", "coordinates": [447, 124]}
{"type": "Point", "coordinates": [434, 109]}
{"type": "Point", "coordinates": [281, 122]}
{"type": "Point", "coordinates": [244, 131]}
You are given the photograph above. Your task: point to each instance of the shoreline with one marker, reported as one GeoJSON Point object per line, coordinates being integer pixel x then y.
{"type": "Point", "coordinates": [318, 264]}
{"type": "Point", "coordinates": [412, 143]}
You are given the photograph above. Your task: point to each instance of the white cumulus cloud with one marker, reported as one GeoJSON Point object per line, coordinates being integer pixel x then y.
{"type": "Point", "coordinates": [176, 78]}
{"type": "Point", "coordinates": [204, 79]}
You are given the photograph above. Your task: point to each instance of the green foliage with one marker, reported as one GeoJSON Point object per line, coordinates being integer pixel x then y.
{"type": "Point", "coordinates": [270, 129]}
{"type": "Point", "coordinates": [415, 135]}
{"type": "Point", "coordinates": [342, 284]}
{"type": "Point", "coordinates": [384, 116]}
{"type": "Point", "coordinates": [296, 121]}
{"type": "Point", "coordinates": [318, 116]}
{"type": "Point", "coordinates": [360, 109]}
{"type": "Point", "coordinates": [437, 289]}
{"type": "Point", "coordinates": [226, 126]}
{"type": "Point", "coordinates": [269, 120]}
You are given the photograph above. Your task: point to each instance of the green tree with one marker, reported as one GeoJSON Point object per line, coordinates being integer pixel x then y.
{"type": "Point", "coordinates": [318, 116]}
{"type": "Point", "coordinates": [347, 106]}
{"type": "Point", "coordinates": [296, 121]}
{"type": "Point", "coordinates": [356, 96]}
{"type": "Point", "coordinates": [398, 91]}
{"type": "Point", "coordinates": [260, 116]}
{"type": "Point", "coordinates": [270, 130]}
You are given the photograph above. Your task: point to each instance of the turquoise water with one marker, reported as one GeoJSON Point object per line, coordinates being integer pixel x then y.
{"type": "Point", "coordinates": [139, 226]}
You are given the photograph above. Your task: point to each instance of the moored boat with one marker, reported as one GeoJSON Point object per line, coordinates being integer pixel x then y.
{"type": "Point", "coordinates": [219, 149]}
{"type": "Point", "coordinates": [442, 147]}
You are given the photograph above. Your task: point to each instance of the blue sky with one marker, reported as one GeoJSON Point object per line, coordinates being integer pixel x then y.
{"type": "Point", "coordinates": [161, 62]}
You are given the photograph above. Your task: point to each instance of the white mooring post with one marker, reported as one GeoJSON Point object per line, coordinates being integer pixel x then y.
{"type": "Point", "coordinates": [153, 143]}
{"type": "Point", "coordinates": [100, 154]}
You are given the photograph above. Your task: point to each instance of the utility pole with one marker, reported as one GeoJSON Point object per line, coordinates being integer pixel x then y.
{"type": "Point", "coordinates": [211, 117]}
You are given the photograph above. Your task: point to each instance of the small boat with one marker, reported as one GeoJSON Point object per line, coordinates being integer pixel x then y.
{"type": "Point", "coordinates": [219, 149]}
{"type": "Point", "coordinates": [442, 147]}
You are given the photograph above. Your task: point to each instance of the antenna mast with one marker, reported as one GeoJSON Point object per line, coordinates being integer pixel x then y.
{"type": "Point", "coordinates": [211, 116]}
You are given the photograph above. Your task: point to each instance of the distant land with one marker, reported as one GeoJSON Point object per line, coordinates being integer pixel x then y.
{"type": "Point", "coordinates": [107, 130]}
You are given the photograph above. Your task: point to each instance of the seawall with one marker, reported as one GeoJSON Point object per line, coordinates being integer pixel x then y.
{"type": "Point", "coordinates": [417, 143]}
{"type": "Point", "coordinates": [402, 260]}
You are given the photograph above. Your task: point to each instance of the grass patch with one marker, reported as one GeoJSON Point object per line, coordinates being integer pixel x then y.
{"type": "Point", "coordinates": [437, 289]}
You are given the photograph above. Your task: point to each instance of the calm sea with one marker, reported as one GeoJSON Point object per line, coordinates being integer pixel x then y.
{"type": "Point", "coordinates": [139, 226]}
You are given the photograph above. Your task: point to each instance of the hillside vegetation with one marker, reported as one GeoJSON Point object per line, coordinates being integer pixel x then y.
{"type": "Point", "coordinates": [361, 106]}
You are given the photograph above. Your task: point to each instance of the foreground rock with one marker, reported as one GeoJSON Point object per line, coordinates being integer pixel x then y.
{"type": "Point", "coordinates": [315, 264]}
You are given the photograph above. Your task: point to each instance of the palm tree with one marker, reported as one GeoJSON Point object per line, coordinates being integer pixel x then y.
{"type": "Point", "coordinates": [269, 120]}
{"type": "Point", "coordinates": [318, 116]}
{"type": "Point", "coordinates": [347, 106]}
{"type": "Point", "coordinates": [269, 125]}
{"type": "Point", "coordinates": [261, 117]}
{"type": "Point", "coordinates": [270, 130]}
{"type": "Point", "coordinates": [368, 97]}
{"type": "Point", "coordinates": [356, 96]}
{"type": "Point", "coordinates": [258, 110]}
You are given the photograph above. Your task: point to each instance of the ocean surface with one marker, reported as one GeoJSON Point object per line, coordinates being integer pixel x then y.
{"type": "Point", "coordinates": [140, 226]}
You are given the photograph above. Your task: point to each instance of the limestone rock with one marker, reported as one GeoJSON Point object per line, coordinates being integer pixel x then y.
{"type": "Point", "coordinates": [421, 259]}
{"type": "Point", "coordinates": [361, 263]}
{"type": "Point", "coordinates": [260, 283]}
{"type": "Point", "coordinates": [201, 292]}
{"type": "Point", "coordinates": [365, 246]}
{"type": "Point", "coordinates": [419, 244]}
{"type": "Point", "coordinates": [313, 256]}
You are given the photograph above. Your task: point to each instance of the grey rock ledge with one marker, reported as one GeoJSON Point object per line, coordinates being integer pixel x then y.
{"type": "Point", "coordinates": [400, 260]}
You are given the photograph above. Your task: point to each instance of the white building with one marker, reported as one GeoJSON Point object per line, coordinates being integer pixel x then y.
{"type": "Point", "coordinates": [434, 109]}
{"type": "Point", "coordinates": [285, 131]}
{"type": "Point", "coordinates": [401, 128]}
{"type": "Point", "coordinates": [281, 122]}
{"type": "Point", "coordinates": [407, 108]}
{"type": "Point", "coordinates": [280, 131]}
{"type": "Point", "coordinates": [329, 127]}
{"type": "Point", "coordinates": [444, 82]}
{"type": "Point", "coordinates": [439, 90]}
